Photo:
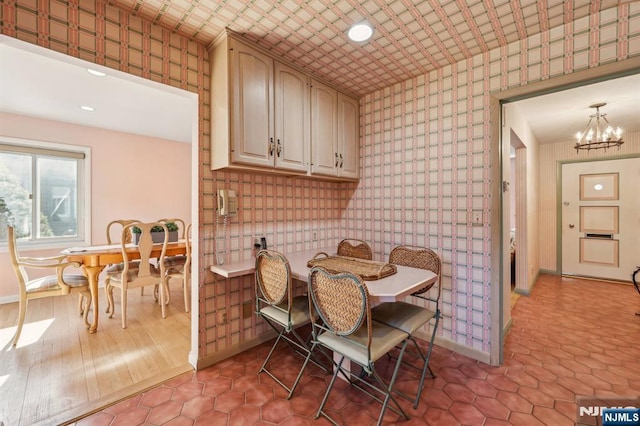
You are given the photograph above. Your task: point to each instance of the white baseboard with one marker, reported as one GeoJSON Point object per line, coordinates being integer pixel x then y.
{"type": "Point", "coordinates": [507, 327]}
{"type": "Point", "coordinates": [8, 299]}
{"type": "Point", "coordinates": [193, 359]}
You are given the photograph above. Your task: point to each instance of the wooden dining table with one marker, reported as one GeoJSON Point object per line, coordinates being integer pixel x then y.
{"type": "Point", "coordinates": [95, 258]}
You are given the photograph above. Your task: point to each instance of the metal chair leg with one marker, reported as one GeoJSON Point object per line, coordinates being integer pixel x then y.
{"type": "Point", "coordinates": [426, 363]}
{"type": "Point", "coordinates": [298, 346]}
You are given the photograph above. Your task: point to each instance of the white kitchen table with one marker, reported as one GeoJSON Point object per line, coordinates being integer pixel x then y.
{"type": "Point", "coordinates": [388, 289]}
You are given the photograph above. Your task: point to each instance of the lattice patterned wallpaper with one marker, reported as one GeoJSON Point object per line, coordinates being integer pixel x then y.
{"type": "Point", "coordinates": [424, 157]}
{"type": "Point", "coordinates": [425, 154]}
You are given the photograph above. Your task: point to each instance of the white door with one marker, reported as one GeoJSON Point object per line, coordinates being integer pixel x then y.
{"type": "Point", "coordinates": [601, 218]}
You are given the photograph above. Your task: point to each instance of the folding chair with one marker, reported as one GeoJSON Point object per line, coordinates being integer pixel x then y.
{"type": "Point", "coordinates": [341, 322]}
{"type": "Point", "coordinates": [277, 306]}
{"type": "Point", "coordinates": [355, 248]}
{"type": "Point", "coordinates": [409, 317]}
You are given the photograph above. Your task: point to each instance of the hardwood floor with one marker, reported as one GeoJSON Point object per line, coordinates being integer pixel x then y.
{"type": "Point", "coordinates": [58, 371]}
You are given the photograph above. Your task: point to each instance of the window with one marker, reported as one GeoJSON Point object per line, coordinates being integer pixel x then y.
{"type": "Point", "coordinates": [42, 191]}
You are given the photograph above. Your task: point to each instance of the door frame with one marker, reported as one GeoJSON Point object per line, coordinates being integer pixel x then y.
{"type": "Point", "coordinates": [559, 228]}
{"type": "Point", "coordinates": [498, 154]}
{"type": "Point", "coordinates": [519, 186]}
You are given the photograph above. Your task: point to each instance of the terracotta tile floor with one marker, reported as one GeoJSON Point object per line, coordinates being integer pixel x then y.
{"type": "Point", "coordinates": [570, 337]}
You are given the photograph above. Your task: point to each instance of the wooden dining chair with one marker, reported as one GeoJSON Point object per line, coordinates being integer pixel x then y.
{"type": "Point", "coordinates": [276, 305]}
{"type": "Point", "coordinates": [410, 317]}
{"type": "Point", "coordinates": [120, 223]}
{"type": "Point", "coordinates": [175, 265]}
{"type": "Point", "coordinates": [182, 228]}
{"type": "Point", "coordinates": [112, 239]}
{"type": "Point", "coordinates": [138, 273]}
{"type": "Point", "coordinates": [57, 284]}
{"type": "Point", "coordinates": [179, 267]}
{"type": "Point", "coordinates": [355, 248]}
{"type": "Point", "coordinates": [341, 323]}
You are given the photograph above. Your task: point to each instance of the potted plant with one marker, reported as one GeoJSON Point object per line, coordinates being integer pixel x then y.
{"type": "Point", "coordinates": [157, 233]}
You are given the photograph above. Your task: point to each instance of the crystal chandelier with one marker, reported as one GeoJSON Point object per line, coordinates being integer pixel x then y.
{"type": "Point", "coordinates": [596, 135]}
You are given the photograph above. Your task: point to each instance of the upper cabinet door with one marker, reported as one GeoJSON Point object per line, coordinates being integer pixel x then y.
{"type": "Point", "coordinates": [348, 137]}
{"type": "Point", "coordinates": [252, 107]}
{"type": "Point", "coordinates": [324, 129]}
{"type": "Point", "coordinates": [292, 129]}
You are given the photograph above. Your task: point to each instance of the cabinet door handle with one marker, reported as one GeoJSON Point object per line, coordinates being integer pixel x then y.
{"type": "Point", "coordinates": [341, 161]}
{"type": "Point", "coordinates": [271, 147]}
{"type": "Point", "coordinates": [336, 159]}
{"type": "Point", "coordinates": [279, 148]}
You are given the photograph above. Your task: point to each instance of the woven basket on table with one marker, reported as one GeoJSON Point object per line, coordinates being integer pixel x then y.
{"type": "Point", "coordinates": [368, 270]}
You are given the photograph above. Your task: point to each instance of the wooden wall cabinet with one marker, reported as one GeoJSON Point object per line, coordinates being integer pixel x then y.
{"type": "Point", "coordinates": [335, 145]}
{"type": "Point", "coordinates": [324, 129]}
{"type": "Point", "coordinates": [348, 136]}
{"type": "Point", "coordinates": [252, 108]}
{"type": "Point", "coordinates": [292, 129]}
{"type": "Point", "coordinates": [267, 117]}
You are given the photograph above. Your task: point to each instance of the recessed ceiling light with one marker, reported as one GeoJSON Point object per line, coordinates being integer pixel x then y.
{"type": "Point", "coordinates": [360, 32]}
{"type": "Point", "coordinates": [87, 108]}
{"type": "Point", "coordinates": [96, 72]}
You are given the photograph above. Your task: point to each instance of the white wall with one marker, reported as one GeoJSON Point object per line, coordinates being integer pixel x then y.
{"type": "Point", "coordinates": [512, 192]}
{"type": "Point", "coordinates": [517, 133]}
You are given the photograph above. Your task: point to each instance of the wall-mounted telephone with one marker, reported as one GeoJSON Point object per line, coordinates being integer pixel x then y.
{"type": "Point", "coordinates": [227, 202]}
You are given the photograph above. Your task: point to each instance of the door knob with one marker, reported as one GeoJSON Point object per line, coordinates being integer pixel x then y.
{"type": "Point", "coordinates": [571, 225]}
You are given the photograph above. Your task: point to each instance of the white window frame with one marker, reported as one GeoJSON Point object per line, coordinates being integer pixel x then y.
{"type": "Point", "coordinates": [84, 193]}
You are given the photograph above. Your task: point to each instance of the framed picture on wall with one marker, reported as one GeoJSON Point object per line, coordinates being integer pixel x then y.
{"type": "Point", "coordinates": [600, 186]}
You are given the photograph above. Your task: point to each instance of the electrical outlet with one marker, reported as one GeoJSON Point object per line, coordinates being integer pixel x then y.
{"type": "Point", "coordinates": [476, 219]}
{"type": "Point", "coordinates": [314, 236]}
{"type": "Point", "coordinates": [222, 317]}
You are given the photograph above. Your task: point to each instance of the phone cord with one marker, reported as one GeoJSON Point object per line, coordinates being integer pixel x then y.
{"type": "Point", "coordinates": [220, 256]}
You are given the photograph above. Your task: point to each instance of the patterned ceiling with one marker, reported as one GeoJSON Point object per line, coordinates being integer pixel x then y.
{"type": "Point", "coordinates": [412, 37]}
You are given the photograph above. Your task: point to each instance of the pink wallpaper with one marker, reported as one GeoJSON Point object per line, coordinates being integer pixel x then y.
{"type": "Point", "coordinates": [425, 153]}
